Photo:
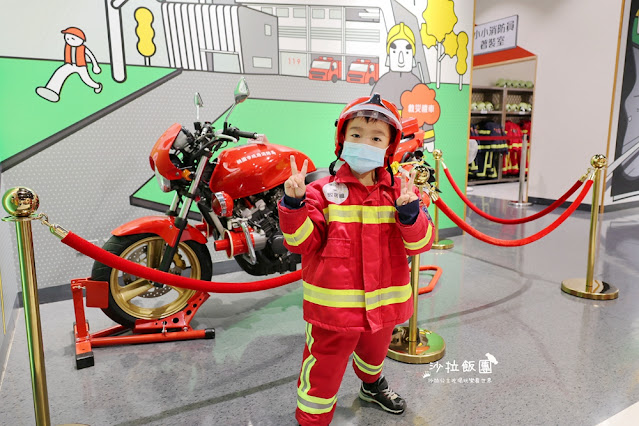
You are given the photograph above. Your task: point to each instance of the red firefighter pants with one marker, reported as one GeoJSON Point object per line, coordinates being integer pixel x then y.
{"type": "Point", "coordinates": [325, 358]}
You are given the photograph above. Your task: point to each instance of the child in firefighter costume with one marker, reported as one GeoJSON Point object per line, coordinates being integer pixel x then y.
{"type": "Point", "coordinates": [354, 230]}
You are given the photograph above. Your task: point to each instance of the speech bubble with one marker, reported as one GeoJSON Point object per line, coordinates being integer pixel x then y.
{"type": "Point", "coordinates": [420, 103]}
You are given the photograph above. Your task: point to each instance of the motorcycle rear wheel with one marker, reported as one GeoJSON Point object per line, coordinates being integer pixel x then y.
{"type": "Point", "coordinates": [132, 298]}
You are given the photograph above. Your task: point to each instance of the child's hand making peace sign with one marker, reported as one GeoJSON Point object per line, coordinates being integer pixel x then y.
{"type": "Point", "coordinates": [295, 186]}
{"type": "Point", "coordinates": [408, 193]}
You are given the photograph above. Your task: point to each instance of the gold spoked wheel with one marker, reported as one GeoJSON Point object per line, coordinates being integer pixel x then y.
{"type": "Point", "coordinates": [132, 297]}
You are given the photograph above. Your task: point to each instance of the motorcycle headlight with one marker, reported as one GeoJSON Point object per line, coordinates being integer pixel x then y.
{"type": "Point", "coordinates": [165, 184]}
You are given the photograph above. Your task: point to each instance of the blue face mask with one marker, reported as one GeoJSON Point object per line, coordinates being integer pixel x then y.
{"type": "Point", "coordinates": [362, 157]}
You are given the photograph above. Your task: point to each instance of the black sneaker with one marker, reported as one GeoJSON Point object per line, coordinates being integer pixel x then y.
{"type": "Point", "coordinates": [379, 393]}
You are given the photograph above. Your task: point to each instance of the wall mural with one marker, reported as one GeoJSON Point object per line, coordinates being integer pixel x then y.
{"type": "Point", "coordinates": [105, 82]}
{"type": "Point", "coordinates": [623, 172]}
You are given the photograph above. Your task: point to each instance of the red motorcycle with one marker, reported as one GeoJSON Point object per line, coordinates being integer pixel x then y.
{"type": "Point", "coordinates": [236, 193]}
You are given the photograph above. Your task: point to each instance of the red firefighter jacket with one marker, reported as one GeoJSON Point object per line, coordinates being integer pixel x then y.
{"type": "Point", "coordinates": [354, 268]}
{"type": "Point", "coordinates": [510, 165]}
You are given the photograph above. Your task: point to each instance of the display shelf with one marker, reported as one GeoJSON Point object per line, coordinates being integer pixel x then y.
{"type": "Point", "coordinates": [500, 97]}
{"type": "Point", "coordinates": [519, 89]}
{"type": "Point", "coordinates": [495, 88]}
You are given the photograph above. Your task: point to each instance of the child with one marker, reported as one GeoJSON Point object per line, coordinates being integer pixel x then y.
{"type": "Point", "coordinates": [353, 230]}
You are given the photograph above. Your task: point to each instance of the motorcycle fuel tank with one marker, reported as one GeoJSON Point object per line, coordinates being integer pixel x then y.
{"type": "Point", "coordinates": [254, 168]}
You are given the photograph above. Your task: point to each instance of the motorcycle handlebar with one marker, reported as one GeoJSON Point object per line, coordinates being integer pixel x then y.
{"type": "Point", "coordinates": [229, 134]}
{"type": "Point", "coordinates": [237, 133]}
{"type": "Point", "coordinates": [248, 135]}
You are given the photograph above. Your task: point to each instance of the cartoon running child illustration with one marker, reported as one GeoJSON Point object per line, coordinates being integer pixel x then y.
{"type": "Point", "coordinates": [75, 54]}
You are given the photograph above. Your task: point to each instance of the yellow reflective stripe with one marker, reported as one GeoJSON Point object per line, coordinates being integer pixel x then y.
{"type": "Point", "coordinates": [388, 296]}
{"type": "Point", "coordinates": [305, 382]}
{"type": "Point", "coordinates": [421, 243]}
{"type": "Point", "coordinates": [314, 405]}
{"type": "Point", "coordinates": [334, 298]}
{"type": "Point", "coordinates": [309, 337]}
{"type": "Point", "coordinates": [305, 402]}
{"type": "Point", "coordinates": [356, 298]}
{"type": "Point", "coordinates": [492, 146]}
{"type": "Point", "coordinates": [365, 367]}
{"type": "Point", "coordinates": [429, 134]}
{"type": "Point", "coordinates": [360, 214]}
{"type": "Point", "coordinates": [301, 234]}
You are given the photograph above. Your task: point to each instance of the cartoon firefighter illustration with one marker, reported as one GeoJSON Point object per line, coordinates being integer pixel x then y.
{"type": "Point", "coordinates": [400, 50]}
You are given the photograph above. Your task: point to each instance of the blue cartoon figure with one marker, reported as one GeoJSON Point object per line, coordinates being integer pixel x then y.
{"type": "Point", "coordinates": [75, 61]}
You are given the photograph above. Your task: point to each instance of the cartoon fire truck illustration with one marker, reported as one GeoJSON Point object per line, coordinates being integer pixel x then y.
{"type": "Point", "coordinates": [363, 71]}
{"type": "Point", "coordinates": [325, 68]}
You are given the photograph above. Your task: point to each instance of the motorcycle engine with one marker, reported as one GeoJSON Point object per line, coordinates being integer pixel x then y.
{"type": "Point", "coordinates": [263, 215]}
{"type": "Point", "coordinates": [261, 212]}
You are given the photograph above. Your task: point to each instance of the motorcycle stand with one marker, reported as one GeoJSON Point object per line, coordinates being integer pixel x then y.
{"type": "Point", "coordinates": [171, 328]}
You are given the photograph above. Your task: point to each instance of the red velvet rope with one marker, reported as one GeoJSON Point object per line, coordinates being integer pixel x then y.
{"type": "Point", "coordinates": [110, 259]}
{"type": "Point", "coordinates": [517, 221]}
{"type": "Point", "coordinates": [513, 243]}
{"type": "Point", "coordinates": [117, 262]}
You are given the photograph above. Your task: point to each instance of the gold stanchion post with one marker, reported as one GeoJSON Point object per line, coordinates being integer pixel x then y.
{"type": "Point", "coordinates": [439, 244]}
{"type": "Point", "coordinates": [523, 159]}
{"type": "Point", "coordinates": [21, 203]}
{"type": "Point", "coordinates": [410, 344]}
{"type": "Point", "coordinates": [590, 288]}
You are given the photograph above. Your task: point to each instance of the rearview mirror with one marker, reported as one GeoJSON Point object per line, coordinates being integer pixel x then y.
{"type": "Point", "coordinates": [198, 103]}
{"type": "Point", "coordinates": [241, 91]}
{"type": "Point", "coordinates": [198, 100]}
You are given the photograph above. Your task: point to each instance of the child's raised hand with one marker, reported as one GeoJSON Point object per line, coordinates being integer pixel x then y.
{"type": "Point", "coordinates": [295, 186]}
{"type": "Point", "coordinates": [408, 193]}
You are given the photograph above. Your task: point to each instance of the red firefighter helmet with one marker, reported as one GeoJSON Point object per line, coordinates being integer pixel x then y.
{"type": "Point", "coordinates": [373, 107]}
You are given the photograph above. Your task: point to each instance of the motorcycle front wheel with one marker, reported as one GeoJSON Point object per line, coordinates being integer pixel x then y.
{"type": "Point", "coordinates": [132, 297]}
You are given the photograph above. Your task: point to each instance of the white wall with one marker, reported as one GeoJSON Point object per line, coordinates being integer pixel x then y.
{"type": "Point", "coordinates": [488, 76]}
{"type": "Point", "coordinates": [576, 45]}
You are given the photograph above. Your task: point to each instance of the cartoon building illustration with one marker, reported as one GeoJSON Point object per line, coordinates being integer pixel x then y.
{"type": "Point", "coordinates": [351, 34]}
{"type": "Point", "coordinates": [293, 38]}
{"type": "Point", "coordinates": [220, 38]}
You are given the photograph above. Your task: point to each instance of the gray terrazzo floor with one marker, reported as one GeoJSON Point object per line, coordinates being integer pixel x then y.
{"type": "Point", "coordinates": [561, 360]}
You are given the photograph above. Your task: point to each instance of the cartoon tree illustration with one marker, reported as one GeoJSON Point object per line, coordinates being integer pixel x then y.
{"type": "Point", "coordinates": [145, 33]}
{"type": "Point", "coordinates": [437, 30]}
{"type": "Point", "coordinates": [462, 54]}
{"type": "Point", "coordinates": [450, 44]}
